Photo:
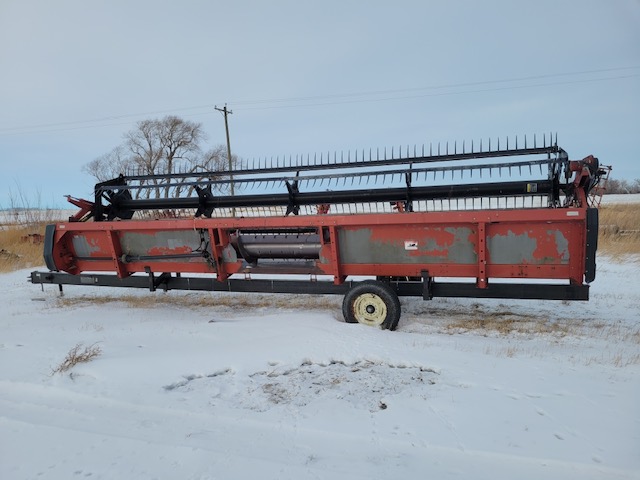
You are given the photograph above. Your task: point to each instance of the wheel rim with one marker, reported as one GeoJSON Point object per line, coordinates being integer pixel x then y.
{"type": "Point", "coordinates": [370, 309]}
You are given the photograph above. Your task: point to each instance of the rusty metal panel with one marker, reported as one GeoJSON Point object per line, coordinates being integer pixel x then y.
{"type": "Point", "coordinates": [538, 243]}
{"type": "Point", "coordinates": [410, 244]}
{"type": "Point", "coordinates": [528, 244]}
{"type": "Point", "coordinates": [87, 245]}
{"type": "Point", "coordinates": [160, 242]}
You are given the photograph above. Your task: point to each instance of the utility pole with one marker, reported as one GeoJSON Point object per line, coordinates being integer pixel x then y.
{"type": "Point", "coordinates": [226, 113]}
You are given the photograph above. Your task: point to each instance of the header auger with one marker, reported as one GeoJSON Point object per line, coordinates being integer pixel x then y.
{"type": "Point", "coordinates": [415, 219]}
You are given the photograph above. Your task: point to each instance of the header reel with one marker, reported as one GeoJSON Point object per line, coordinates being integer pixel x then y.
{"type": "Point", "coordinates": [441, 177]}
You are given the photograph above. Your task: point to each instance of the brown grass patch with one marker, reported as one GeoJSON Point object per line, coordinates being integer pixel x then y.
{"type": "Point", "coordinates": [204, 300]}
{"type": "Point", "coordinates": [505, 323]}
{"type": "Point", "coordinates": [78, 354]}
{"type": "Point", "coordinates": [619, 230]}
{"type": "Point", "coordinates": [18, 249]}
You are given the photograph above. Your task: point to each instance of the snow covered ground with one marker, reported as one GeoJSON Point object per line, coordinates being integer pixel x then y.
{"type": "Point", "coordinates": [616, 199]}
{"type": "Point", "coordinates": [226, 386]}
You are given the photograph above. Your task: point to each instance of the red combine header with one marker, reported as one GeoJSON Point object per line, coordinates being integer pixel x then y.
{"type": "Point", "coordinates": [371, 225]}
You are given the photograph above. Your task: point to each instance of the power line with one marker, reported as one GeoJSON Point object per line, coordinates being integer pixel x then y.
{"type": "Point", "coordinates": [462, 92]}
{"type": "Point", "coordinates": [332, 99]}
{"type": "Point", "coordinates": [103, 119]}
{"type": "Point", "coordinates": [437, 87]}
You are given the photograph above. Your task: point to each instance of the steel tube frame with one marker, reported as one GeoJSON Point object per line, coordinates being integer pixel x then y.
{"type": "Point", "coordinates": [167, 282]}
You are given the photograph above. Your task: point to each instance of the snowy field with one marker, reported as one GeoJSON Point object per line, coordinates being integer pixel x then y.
{"type": "Point", "coordinates": [231, 386]}
{"type": "Point", "coordinates": [617, 199]}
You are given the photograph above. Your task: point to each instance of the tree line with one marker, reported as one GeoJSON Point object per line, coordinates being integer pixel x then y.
{"type": "Point", "coordinates": [623, 186]}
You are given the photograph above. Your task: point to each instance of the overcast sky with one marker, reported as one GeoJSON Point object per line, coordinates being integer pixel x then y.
{"type": "Point", "coordinates": [303, 77]}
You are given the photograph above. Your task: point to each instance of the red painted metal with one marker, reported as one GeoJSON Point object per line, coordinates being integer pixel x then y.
{"type": "Point", "coordinates": [536, 243]}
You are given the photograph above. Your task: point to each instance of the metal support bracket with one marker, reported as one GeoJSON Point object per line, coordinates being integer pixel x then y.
{"type": "Point", "coordinates": [293, 205]}
{"type": "Point", "coordinates": [427, 285]}
{"type": "Point", "coordinates": [161, 281]}
{"type": "Point", "coordinates": [205, 197]}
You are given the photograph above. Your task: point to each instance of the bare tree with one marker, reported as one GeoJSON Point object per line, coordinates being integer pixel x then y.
{"type": "Point", "coordinates": [623, 186]}
{"type": "Point", "coordinates": [109, 165]}
{"type": "Point", "coordinates": [159, 147]}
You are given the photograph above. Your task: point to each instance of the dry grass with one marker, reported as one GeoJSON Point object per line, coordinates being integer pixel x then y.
{"type": "Point", "coordinates": [203, 300]}
{"type": "Point", "coordinates": [502, 321]}
{"type": "Point", "coordinates": [78, 354]}
{"type": "Point", "coordinates": [17, 250]}
{"type": "Point", "coordinates": [619, 230]}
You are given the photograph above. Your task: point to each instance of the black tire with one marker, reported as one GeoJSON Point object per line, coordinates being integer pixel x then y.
{"type": "Point", "coordinates": [372, 303]}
